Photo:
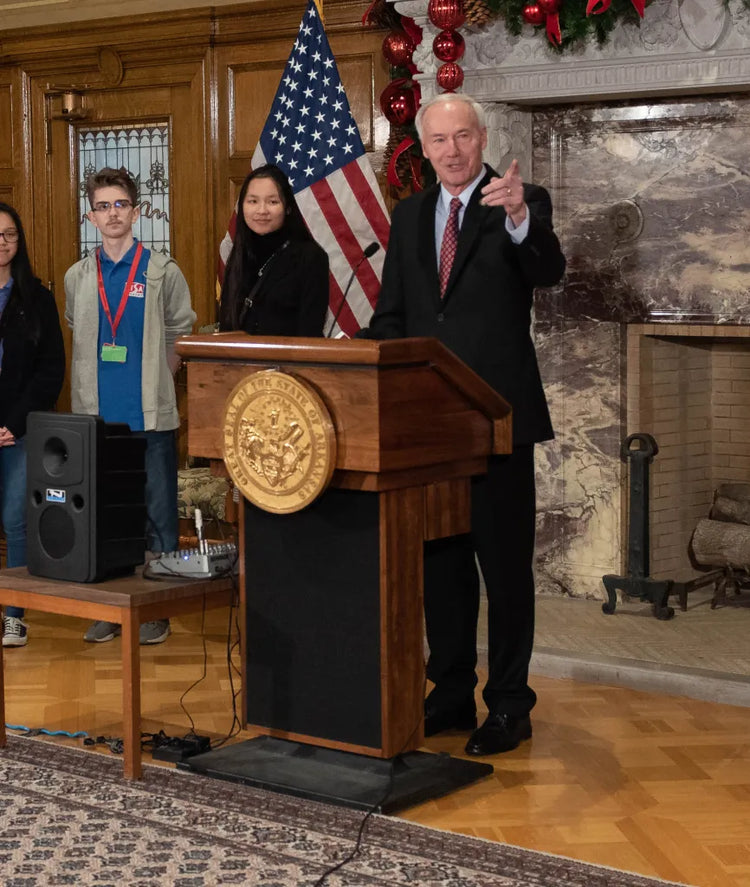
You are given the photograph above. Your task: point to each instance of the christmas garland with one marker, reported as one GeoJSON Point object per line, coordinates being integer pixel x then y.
{"type": "Point", "coordinates": [568, 22]}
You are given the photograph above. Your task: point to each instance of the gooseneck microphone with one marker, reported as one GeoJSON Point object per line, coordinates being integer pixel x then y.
{"type": "Point", "coordinates": [368, 252]}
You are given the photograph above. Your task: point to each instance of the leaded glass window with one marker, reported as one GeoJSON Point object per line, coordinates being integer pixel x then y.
{"type": "Point", "coordinates": [144, 152]}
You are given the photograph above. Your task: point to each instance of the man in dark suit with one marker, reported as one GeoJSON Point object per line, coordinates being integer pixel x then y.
{"type": "Point", "coordinates": [462, 263]}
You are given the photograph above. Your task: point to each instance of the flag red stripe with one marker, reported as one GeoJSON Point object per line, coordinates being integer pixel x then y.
{"type": "Point", "coordinates": [231, 230]}
{"type": "Point", "coordinates": [334, 292]}
{"type": "Point", "coordinates": [337, 222]}
{"type": "Point", "coordinates": [371, 206]}
{"type": "Point", "coordinates": [346, 319]}
{"type": "Point", "coordinates": [349, 244]}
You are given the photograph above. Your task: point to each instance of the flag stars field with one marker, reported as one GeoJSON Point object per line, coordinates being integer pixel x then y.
{"type": "Point", "coordinates": [311, 50]}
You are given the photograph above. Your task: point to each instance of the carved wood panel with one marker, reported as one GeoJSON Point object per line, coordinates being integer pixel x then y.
{"type": "Point", "coordinates": [12, 155]}
{"type": "Point", "coordinates": [6, 126]}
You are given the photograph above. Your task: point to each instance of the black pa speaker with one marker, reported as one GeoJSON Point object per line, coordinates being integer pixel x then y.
{"type": "Point", "coordinates": [86, 502]}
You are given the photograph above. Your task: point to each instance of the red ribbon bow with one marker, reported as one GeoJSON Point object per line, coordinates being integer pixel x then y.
{"type": "Point", "coordinates": [414, 162]}
{"type": "Point", "coordinates": [554, 34]}
{"type": "Point", "coordinates": [603, 6]}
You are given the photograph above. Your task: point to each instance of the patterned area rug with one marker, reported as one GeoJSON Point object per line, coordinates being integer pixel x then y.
{"type": "Point", "coordinates": [68, 817]}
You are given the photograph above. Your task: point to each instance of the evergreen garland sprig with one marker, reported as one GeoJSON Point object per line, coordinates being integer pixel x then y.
{"type": "Point", "coordinates": [576, 27]}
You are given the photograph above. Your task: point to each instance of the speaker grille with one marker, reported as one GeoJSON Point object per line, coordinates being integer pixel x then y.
{"type": "Point", "coordinates": [57, 534]}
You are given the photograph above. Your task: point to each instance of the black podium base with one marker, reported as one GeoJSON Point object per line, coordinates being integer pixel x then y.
{"type": "Point", "coordinates": [337, 777]}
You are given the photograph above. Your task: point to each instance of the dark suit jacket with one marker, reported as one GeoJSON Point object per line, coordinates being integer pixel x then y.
{"type": "Point", "coordinates": [485, 316]}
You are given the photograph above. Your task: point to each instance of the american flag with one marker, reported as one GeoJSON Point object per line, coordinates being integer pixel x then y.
{"type": "Point", "coordinates": [311, 135]}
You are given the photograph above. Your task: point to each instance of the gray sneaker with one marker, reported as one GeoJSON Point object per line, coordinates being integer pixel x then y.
{"type": "Point", "coordinates": [154, 632]}
{"type": "Point", "coordinates": [99, 632]}
{"type": "Point", "coordinates": [14, 632]}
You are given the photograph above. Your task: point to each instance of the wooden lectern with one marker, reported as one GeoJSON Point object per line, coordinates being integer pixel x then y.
{"type": "Point", "coordinates": [331, 596]}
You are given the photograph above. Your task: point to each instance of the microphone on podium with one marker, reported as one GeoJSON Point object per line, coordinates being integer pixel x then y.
{"type": "Point", "coordinates": [367, 253]}
{"type": "Point", "coordinates": [370, 251]}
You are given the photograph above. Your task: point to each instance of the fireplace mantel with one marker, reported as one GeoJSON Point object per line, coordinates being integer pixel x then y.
{"type": "Point", "coordinates": [683, 46]}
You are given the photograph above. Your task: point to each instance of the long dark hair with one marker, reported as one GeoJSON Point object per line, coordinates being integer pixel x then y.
{"type": "Point", "coordinates": [244, 262]}
{"type": "Point", "coordinates": [24, 281]}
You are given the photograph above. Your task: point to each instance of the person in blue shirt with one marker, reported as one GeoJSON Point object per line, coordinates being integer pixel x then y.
{"type": "Point", "coordinates": [32, 368]}
{"type": "Point", "coordinates": [127, 305]}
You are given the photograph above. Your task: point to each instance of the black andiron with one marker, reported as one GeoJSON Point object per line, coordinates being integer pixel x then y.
{"type": "Point", "coordinates": [638, 582]}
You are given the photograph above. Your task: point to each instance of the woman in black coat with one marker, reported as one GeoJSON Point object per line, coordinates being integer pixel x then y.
{"type": "Point", "coordinates": [276, 278]}
{"type": "Point", "coordinates": [32, 368]}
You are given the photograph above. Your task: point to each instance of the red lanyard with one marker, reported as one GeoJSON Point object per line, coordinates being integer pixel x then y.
{"type": "Point", "coordinates": [125, 293]}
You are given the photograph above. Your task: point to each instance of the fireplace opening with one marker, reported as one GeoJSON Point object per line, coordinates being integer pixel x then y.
{"type": "Point", "coordinates": [688, 386]}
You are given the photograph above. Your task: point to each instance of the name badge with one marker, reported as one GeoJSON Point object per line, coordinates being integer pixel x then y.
{"type": "Point", "coordinates": [114, 353]}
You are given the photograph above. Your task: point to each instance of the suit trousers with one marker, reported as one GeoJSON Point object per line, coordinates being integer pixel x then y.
{"type": "Point", "coordinates": [503, 511]}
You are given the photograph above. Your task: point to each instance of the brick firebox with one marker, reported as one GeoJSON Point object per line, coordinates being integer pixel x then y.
{"type": "Point", "coordinates": [689, 386]}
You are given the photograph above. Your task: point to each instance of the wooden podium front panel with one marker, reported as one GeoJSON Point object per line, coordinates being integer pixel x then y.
{"type": "Point", "coordinates": [313, 641]}
{"type": "Point", "coordinates": [351, 399]}
{"type": "Point", "coordinates": [391, 420]}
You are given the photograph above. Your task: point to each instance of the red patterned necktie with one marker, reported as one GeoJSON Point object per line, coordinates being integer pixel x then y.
{"type": "Point", "coordinates": [448, 246]}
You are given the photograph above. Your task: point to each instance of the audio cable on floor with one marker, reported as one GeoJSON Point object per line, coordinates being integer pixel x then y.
{"type": "Point", "coordinates": [42, 731]}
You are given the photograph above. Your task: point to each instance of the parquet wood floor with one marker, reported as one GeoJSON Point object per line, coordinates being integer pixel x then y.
{"type": "Point", "coordinates": [652, 784]}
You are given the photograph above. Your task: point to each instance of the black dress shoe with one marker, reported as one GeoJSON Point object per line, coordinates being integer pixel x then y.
{"type": "Point", "coordinates": [460, 717]}
{"type": "Point", "coordinates": [499, 733]}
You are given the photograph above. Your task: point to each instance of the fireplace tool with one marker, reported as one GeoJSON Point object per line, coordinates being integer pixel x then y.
{"type": "Point", "coordinates": [638, 582]}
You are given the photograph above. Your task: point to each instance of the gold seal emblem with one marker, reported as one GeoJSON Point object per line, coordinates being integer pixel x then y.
{"type": "Point", "coordinates": [279, 441]}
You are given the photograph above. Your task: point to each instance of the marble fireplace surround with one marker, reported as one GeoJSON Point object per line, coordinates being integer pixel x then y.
{"type": "Point", "coordinates": [642, 145]}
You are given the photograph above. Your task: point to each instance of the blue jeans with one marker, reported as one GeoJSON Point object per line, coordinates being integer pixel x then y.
{"type": "Point", "coordinates": [13, 506]}
{"type": "Point", "coordinates": [162, 526]}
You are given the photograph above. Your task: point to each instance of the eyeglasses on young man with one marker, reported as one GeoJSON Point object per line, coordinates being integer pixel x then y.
{"type": "Point", "coordinates": [104, 206]}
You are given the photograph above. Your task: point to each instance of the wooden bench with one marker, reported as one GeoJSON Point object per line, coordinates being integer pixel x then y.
{"type": "Point", "coordinates": [128, 601]}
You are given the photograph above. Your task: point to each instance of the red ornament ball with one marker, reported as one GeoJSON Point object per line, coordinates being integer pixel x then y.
{"type": "Point", "coordinates": [398, 48]}
{"type": "Point", "coordinates": [533, 14]}
{"type": "Point", "coordinates": [549, 7]}
{"type": "Point", "coordinates": [446, 14]}
{"type": "Point", "coordinates": [449, 46]}
{"type": "Point", "coordinates": [450, 76]}
{"type": "Point", "coordinates": [399, 104]}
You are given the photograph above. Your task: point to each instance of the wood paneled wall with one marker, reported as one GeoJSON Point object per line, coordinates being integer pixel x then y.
{"type": "Point", "coordinates": [212, 72]}
{"type": "Point", "coordinates": [13, 163]}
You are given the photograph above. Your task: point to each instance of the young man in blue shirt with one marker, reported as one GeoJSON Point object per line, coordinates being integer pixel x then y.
{"type": "Point", "coordinates": [126, 306]}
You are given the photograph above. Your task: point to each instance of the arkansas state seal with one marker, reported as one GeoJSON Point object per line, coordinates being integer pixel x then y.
{"type": "Point", "coordinates": [279, 441]}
